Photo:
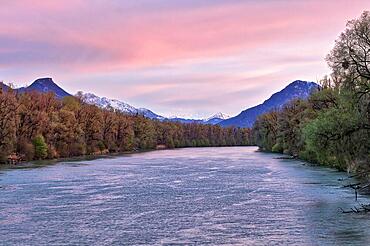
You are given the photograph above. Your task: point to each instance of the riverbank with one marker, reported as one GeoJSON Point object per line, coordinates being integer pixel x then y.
{"type": "Point", "coordinates": [361, 180]}
{"type": "Point", "coordinates": [45, 162]}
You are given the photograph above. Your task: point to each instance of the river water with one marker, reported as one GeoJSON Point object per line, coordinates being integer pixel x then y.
{"type": "Point", "coordinates": [193, 196]}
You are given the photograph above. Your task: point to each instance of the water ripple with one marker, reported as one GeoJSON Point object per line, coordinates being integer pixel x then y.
{"type": "Point", "coordinates": [218, 196]}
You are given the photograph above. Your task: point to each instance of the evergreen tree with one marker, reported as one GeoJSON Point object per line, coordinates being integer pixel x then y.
{"type": "Point", "coordinates": [41, 148]}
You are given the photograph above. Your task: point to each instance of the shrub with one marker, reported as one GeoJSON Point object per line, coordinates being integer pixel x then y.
{"type": "Point", "coordinates": [41, 148]}
{"type": "Point", "coordinates": [26, 149]}
{"type": "Point", "coordinates": [277, 148]}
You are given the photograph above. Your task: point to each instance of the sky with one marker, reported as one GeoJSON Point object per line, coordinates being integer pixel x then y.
{"type": "Point", "coordinates": [189, 58]}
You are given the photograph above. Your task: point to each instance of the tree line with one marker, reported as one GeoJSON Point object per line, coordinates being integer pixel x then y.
{"type": "Point", "coordinates": [332, 127]}
{"type": "Point", "coordinates": [39, 126]}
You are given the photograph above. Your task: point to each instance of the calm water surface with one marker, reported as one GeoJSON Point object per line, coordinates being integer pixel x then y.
{"type": "Point", "coordinates": [186, 196]}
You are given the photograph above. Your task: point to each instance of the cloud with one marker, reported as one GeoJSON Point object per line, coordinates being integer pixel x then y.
{"type": "Point", "coordinates": [182, 50]}
{"type": "Point", "coordinates": [147, 33]}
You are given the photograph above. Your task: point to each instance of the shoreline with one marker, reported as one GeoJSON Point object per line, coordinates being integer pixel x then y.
{"type": "Point", "coordinates": [46, 162]}
{"type": "Point", "coordinates": [363, 179]}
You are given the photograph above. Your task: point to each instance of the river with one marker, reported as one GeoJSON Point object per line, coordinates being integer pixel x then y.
{"type": "Point", "coordinates": [192, 196]}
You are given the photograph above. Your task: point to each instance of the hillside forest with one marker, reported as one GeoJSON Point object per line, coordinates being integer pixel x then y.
{"type": "Point", "coordinates": [332, 127]}
{"type": "Point", "coordinates": [39, 126]}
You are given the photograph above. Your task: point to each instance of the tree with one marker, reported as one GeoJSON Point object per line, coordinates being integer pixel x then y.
{"type": "Point", "coordinates": [41, 148]}
{"type": "Point", "coordinates": [90, 119]}
{"type": "Point", "coordinates": [109, 131]}
{"type": "Point", "coordinates": [8, 116]}
{"type": "Point", "coordinates": [337, 137]}
{"type": "Point", "coordinates": [125, 133]}
{"type": "Point", "coordinates": [291, 120]}
{"type": "Point", "coordinates": [265, 130]}
{"type": "Point", "coordinates": [144, 133]}
{"type": "Point", "coordinates": [350, 57]}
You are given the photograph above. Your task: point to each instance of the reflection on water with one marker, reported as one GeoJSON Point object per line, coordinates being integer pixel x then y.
{"type": "Point", "coordinates": [186, 196]}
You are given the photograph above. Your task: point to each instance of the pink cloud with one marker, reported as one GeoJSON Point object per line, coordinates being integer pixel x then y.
{"type": "Point", "coordinates": [122, 39]}
{"type": "Point", "coordinates": [128, 43]}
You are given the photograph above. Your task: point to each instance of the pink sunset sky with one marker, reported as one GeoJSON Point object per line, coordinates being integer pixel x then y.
{"type": "Point", "coordinates": [189, 58]}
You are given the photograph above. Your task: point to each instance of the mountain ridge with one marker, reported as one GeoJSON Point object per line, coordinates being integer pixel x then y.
{"type": "Point", "coordinates": [297, 89]}
{"type": "Point", "coordinates": [104, 102]}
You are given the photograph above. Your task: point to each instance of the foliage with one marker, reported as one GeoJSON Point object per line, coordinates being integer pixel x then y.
{"type": "Point", "coordinates": [41, 149]}
{"type": "Point", "coordinates": [39, 126]}
{"type": "Point", "coordinates": [332, 127]}
{"type": "Point", "coordinates": [265, 130]}
{"type": "Point", "coordinates": [8, 108]}
{"type": "Point", "coordinates": [338, 136]}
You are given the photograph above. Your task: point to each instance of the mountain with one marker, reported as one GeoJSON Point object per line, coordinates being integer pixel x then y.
{"type": "Point", "coordinates": [4, 87]}
{"type": "Point", "coordinates": [149, 114]}
{"type": "Point", "coordinates": [184, 120]}
{"type": "Point", "coordinates": [297, 89]}
{"type": "Point", "coordinates": [42, 85]}
{"type": "Point", "coordinates": [217, 118]}
{"type": "Point", "coordinates": [104, 102]}
{"type": "Point", "coordinates": [213, 120]}
{"type": "Point", "coordinates": [45, 85]}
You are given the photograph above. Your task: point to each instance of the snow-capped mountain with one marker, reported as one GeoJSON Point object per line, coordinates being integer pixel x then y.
{"type": "Point", "coordinates": [217, 118]}
{"type": "Point", "coordinates": [185, 120]}
{"type": "Point", "coordinates": [213, 120]}
{"type": "Point", "coordinates": [149, 114]}
{"type": "Point", "coordinates": [219, 115]}
{"type": "Point", "coordinates": [4, 87]}
{"type": "Point", "coordinates": [104, 102]}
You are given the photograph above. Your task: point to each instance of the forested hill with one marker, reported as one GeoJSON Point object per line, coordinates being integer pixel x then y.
{"type": "Point", "coordinates": [45, 85]}
{"type": "Point", "coordinates": [38, 126]}
{"type": "Point", "coordinates": [297, 89]}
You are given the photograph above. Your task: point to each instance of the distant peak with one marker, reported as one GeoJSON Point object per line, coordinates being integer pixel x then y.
{"type": "Point", "coordinates": [88, 94]}
{"type": "Point", "coordinates": [219, 115]}
{"type": "Point", "coordinates": [302, 83]}
{"type": "Point", "coordinates": [45, 85]}
{"type": "Point", "coordinates": [298, 81]}
{"type": "Point", "coordinates": [45, 78]}
{"type": "Point", "coordinates": [44, 81]}
{"type": "Point", "coordinates": [297, 89]}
